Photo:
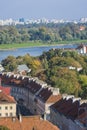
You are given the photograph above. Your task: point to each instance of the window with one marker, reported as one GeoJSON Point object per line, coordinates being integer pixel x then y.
{"type": "Point", "coordinates": [6, 108]}
{"type": "Point", "coordinates": [6, 114]}
{"type": "Point", "coordinates": [11, 114]}
{"type": "Point", "coordinates": [11, 107]}
{"type": "Point", "coordinates": [0, 108]}
{"type": "Point", "coordinates": [0, 114]}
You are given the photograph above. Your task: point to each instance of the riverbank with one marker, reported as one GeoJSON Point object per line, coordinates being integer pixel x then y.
{"type": "Point", "coordinates": [14, 46]}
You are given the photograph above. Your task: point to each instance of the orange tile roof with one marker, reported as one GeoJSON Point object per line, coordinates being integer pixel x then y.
{"type": "Point", "coordinates": [54, 98]}
{"type": "Point", "coordinates": [27, 123]}
{"type": "Point", "coordinates": [4, 98]}
{"type": "Point", "coordinates": [6, 90]}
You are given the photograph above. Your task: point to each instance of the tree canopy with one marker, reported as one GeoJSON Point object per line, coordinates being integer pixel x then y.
{"type": "Point", "coordinates": [42, 32]}
{"type": "Point", "coordinates": [57, 67]}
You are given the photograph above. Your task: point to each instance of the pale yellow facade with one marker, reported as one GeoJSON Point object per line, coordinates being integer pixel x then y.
{"type": "Point", "coordinates": [7, 109]}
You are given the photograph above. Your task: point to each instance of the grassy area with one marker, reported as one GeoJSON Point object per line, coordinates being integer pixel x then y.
{"type": "Point", "coordinates": [36, 43]}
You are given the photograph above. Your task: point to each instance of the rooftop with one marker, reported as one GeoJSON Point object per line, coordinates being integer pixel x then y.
{"type": "Point", "coordinates": [5, 89]}
{"type": "Point", "coordinates": [67, 107]}
{"type": "Point", "coordinates": [4, 98]}
{"type": "Point", "coordinates": [27, 123]}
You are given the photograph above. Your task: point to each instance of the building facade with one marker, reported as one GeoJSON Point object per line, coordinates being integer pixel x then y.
{"type": "Point", "coordinates": [7, 105]}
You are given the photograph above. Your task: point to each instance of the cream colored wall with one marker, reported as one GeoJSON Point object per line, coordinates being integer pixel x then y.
{"type": "Point", "coordinates": [3, 111]}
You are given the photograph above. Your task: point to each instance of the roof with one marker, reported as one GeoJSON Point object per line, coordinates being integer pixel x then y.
{"type": "Point", "coordinates": [82, 113]}
{"type": "Point", "coordinates": [67, 107]}
{"type": "Point", "coordinates": [44, 94]}
{"type": "Point", "coordinates": [4, 98]}
{"type": "Point", "coordinates": [33, 87]}
{"type": "Point", "coordinates": [22, 68]}
{"type": "Point", "coordinates": [6, 90]}
{"type": "Point", "coordinates": [54, 98]}
{"type": "Point", "coordinates": [47, 96]}
{"type": "Point", "coordinates": [27, 123]}
{"type": "Point", "coordinates": [81, 46]}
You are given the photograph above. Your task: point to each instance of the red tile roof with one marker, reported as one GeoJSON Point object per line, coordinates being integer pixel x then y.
{"type": "Point", "coordinates": [19, 82]}
{"type": "Point", "coordinates": [6, 90]}
{"type": "Point", "coordinates": [27, 123]}
{"type": "Point", "coordinates": [4, 98]}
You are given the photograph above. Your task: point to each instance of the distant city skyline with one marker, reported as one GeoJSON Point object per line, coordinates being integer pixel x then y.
{"type": "Point", "coordinates": [37, 9]}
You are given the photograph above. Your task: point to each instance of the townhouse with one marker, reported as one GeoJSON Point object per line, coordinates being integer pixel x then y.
{"type": "Point", "coordinates": [67, 113]}
{"type": "Point", "coordinates": [33, 93]}
{"type": "Point", "coordinates": [7, 105]}
{"type": "Point", "coordinates": [44, 99]}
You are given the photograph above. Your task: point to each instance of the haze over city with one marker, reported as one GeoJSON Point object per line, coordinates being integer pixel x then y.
{"type": "Point", "coordinates": [50, 9]}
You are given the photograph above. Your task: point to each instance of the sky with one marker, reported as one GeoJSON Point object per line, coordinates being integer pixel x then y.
{"type": "Point", "coordinates": [50, 9]}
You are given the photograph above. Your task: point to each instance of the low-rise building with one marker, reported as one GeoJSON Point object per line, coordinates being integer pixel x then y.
{"type": "Point", "coordinates": [32, 93]}
{"type": "Point", "coordinates": [67, 112]}
{"type": "Point", "coordinates": [7, 105]}
{"type": "Point", "coordinates": [82, 49]}
{"type": "Point", "coordinates": [44, 99]}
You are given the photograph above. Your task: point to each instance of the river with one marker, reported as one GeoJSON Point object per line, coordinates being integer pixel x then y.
{"type": "Point", "coordinates": [33, 51]}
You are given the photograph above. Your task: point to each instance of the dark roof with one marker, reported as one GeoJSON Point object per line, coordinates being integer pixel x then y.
{"type": "Point", "coordinates": [33, 86]}
{"type": "Point", "coordinates": [44, 94]}
{"type": "Point", "coordinates": [67, 107]}
{"type": "Point", "coordinates": [82, 113]}
{"type": "Point", "coordinates": [81, 46]}
{"type": "Point", "coordinates": [6, 79]}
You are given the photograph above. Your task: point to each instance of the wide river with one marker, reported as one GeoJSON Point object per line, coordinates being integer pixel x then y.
{"type": "Point", "coordinates": [33, 51]}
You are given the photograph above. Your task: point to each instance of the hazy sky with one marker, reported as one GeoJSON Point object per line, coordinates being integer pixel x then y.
{"type": "Point", "coordinates": [34, 9]}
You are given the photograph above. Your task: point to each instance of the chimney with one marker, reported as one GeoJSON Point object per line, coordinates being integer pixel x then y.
{"type": "Point", "coordinates": [45, 116]}
{"type": "Point", "coordinates": [55, 91]}
{"type": "Point", "coordinates": [77, 99]}
{"type": "Point", "coordinates": [20, 118]}
{"type": "Point", "coordinates": [13, 119]}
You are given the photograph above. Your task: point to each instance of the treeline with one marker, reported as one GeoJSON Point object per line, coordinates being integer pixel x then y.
{"type": "Point", "coordinates": [42, 32]}
{"type": "Point", "coordinates": [66, 70]}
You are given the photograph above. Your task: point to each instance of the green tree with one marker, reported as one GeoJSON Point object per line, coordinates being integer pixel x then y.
{"type": "Point", "coordinates": [4, 128]}
{"type": "Point", "coordinates": [83, 82]}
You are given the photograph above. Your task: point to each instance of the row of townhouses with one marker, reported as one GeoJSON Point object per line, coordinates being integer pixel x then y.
{"type": "Point", "coordinates": [32, 93]}
{"type": "Point", "coordinates": [9, 118]}
{"type": "Point", "coordinates": [64, 111]}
